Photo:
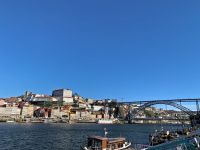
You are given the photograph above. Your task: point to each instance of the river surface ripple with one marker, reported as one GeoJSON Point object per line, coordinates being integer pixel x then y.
{"type": "Point", "coordinates": [15, 136]}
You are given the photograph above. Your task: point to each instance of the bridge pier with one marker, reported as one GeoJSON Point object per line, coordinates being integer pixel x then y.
{"type": "Point", "coordinates": [197, 105]}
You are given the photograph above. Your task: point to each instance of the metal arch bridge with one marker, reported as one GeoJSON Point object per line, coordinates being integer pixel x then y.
{"type": "Point", "coordinates": [173, 102]}
{"type": "Point", "coordinates": [148, 104]}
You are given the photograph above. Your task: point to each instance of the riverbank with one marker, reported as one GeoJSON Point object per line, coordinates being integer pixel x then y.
{"type": "Point", "coordinates": [86, 122]}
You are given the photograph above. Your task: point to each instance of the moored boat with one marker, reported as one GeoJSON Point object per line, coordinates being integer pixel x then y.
{"type": "Point", "coordinates": [188, 142]}
{"type": "Point", "coordinates": [10, 121]}
{"type": "Point", "coordinates": [105, 121]}
{"type": "Point", "coordinates": [37, 121]}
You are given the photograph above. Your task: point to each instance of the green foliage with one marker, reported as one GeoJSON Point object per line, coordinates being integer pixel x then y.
{"type": "Point", "coordinates": [149, 113]}
{"type": "Point", "coordinates": [60, 103]}
{"type": "Point", "coordinates": [47, 104]}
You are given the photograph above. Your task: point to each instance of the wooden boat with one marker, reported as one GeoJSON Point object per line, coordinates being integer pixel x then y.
{"type": "Point", "coordinates": [185, 143]}
{"type": "Point", "coordinates": [167, 141]}
{"type": "Point", "coordinates": [104, 143]}
{"type": "Point", "coordinates": [162, 137]}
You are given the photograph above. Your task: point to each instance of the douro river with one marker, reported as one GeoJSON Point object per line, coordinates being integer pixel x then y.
{"type": "Point", "coordinates": [15, 136]}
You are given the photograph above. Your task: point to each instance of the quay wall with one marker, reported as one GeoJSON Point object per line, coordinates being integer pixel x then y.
{"type": "Point", "coordinates": [160, 121]}
{"type": "Point", "coordinates": [9, 111]}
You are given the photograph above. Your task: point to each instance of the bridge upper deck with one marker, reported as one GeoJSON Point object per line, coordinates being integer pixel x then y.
{"type": "Point", "coordinates": [169, 100]}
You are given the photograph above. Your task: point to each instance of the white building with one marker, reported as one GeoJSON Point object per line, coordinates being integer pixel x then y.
{"type": "Point", "coordinates": [97, 108]}
{"type": "Point", "coordinates": [64, 95]}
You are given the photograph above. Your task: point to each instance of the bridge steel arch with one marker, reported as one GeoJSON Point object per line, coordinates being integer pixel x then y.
{"type": "Point", "coordinates": [148, 104]}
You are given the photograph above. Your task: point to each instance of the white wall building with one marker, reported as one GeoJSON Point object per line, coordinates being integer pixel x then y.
{"type": "Point", "coordinates": [64, 95]}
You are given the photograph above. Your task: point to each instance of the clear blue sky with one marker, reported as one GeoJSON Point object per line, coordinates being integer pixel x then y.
{"type": "Point", "coordinates": [135, 50]}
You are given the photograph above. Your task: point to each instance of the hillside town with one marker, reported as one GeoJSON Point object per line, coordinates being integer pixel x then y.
{"type": "Point", "coordinates": [64, 106]}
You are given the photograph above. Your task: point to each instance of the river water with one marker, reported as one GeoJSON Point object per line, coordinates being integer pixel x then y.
{"type": "Point", "coordinates": [15, 136]}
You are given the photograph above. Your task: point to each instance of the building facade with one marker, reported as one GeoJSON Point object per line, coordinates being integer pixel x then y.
{"type": "Point", "coordinates": [64, 95]}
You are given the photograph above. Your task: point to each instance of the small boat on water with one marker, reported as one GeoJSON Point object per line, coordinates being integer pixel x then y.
{"type": "Point", "coordinates": [105, 143]}
{"type": "Point", "coordinates": [162, 137]}
{"type": "Point", "coordinates": [166, 142]}
{"type": "Point", "coordinates": [105, 121]}
{"type": "Point", "coordinates": [10, 121]}
{"type": "Point", "coordinates": [186, 143]}
{"type": "Point", "coordinates": [37, 121]}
